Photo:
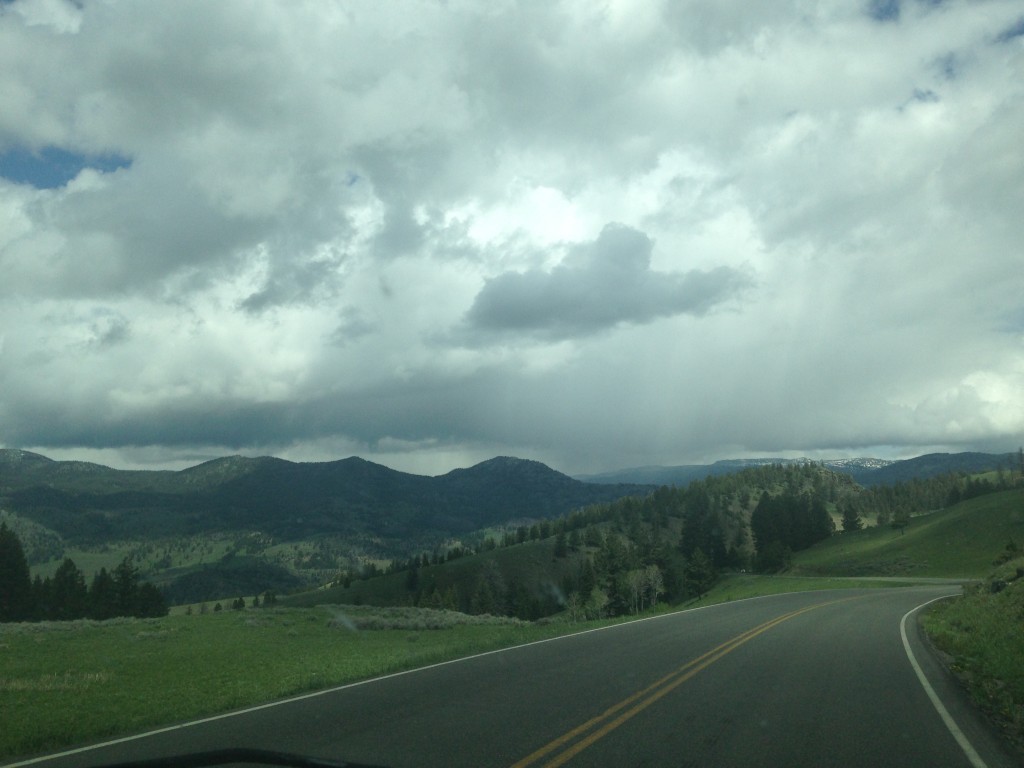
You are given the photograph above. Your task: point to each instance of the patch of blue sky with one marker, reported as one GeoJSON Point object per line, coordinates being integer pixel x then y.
{"type": "Point", "coordinates": [53, 167]}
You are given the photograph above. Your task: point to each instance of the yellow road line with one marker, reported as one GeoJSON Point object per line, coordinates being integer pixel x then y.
{"type": "Point", "coordinates": [639, 701]}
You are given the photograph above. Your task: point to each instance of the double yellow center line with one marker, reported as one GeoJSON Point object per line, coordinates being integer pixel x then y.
{"type": "Point", "coordinates": [581, 737]}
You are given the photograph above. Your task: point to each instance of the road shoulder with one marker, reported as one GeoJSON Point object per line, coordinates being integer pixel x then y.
{"type": "Point", "coordinates": [993, 746]}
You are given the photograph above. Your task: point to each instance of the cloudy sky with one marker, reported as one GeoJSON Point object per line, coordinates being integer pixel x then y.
{"type": "Point", "coordinates": [595, 234]}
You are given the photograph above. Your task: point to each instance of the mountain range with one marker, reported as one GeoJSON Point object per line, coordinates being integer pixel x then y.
{"type": "Point", "coordinates": [89, 503]}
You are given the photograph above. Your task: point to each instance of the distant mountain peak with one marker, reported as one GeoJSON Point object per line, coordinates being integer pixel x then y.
{"type": "Point", "coordinates": [513, 462]}
{"type": "Point", "coordinates": [221, 469]}
{"type": "Point", "coordinates": [18, 456]}
{"type": "Point", "coordinates": [508, 466]}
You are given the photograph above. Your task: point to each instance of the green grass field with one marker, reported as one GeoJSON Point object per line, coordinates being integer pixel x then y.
{"type": "Point", "coordinates": [960, 541]}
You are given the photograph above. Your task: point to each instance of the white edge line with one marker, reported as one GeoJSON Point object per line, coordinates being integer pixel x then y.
{"type": "Point", "coordinates": [972, 755]}
{"type": "Point", "coordinates": [326, 691]}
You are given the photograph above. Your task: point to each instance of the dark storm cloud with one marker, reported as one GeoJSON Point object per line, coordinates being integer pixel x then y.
{"type": "Point", "coordinates": [431, 407]}
{"type": "Point", "coordinates": [598, 286]}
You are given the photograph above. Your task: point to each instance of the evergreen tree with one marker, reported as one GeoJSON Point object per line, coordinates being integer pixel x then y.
{"type": "Point", "coordinates": [561, 545]}
{"type": "Point", "coordinates": [15, 582]}
{"type": "Point", "coordinates": [490, 593]}
{"type": "Point", "coordinates": [412, 579]}
{"type": "Point", "coordinates": [851, 518]}
{"type": "Point", "coordinates": [69, 593]}
{"type": "Point", "coordinates": [699, 574]}
{"type": "Point", "coordinates": [150, 602]}
{"type": "Point", "coordinates": [102, 598]}
{"type": "Point", "coordinates": [126, 588]}
{"type": "Point", "coordinates": [575, 539]}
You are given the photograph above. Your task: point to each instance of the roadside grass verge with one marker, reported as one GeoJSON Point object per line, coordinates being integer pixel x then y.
{"type": "Point", "coordinates": [982, 633]}
{"type": "Point", "coordinates": [69, 683]}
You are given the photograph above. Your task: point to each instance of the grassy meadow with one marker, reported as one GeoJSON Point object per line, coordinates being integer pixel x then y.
{"type": "Point", "coordinates": [957, 542]}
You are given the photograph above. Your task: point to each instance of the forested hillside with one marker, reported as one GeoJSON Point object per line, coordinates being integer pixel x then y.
{"type": "Point", "coordinates": [620, 557]}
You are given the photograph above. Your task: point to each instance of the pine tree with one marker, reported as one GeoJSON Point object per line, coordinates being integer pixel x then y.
{"type": "Point", "coordinates": [561, 545]}
{"type": "Point", "coordinates": [851, 518]}
{"type": "Point", "coordinates": [69, 592]}
{"type": "Point", "coordinates": [126, 588]}
{"type": "Point", "coordinates": [102, 599]}
{"type": "Point", "coordinates": [699, 574]}
{"type": "Point", "coordinates": [15, 582]}
{"type": "Point", "coordinates": [150, 602]}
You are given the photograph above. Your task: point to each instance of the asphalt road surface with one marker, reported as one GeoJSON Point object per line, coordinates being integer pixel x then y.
{"type": "Point", "coordinates": [807, 679]}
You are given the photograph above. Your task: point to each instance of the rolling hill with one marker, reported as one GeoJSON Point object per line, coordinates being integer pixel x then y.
{"type": "Point", "coordinates": [89, 503]}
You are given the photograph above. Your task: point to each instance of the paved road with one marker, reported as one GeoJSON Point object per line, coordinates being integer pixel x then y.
{"type": "Point", "coordinates": [808, 679]}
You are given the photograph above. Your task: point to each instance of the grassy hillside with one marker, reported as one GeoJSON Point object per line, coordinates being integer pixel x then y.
{"type": "Point", "coordinates": [961, 540]}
